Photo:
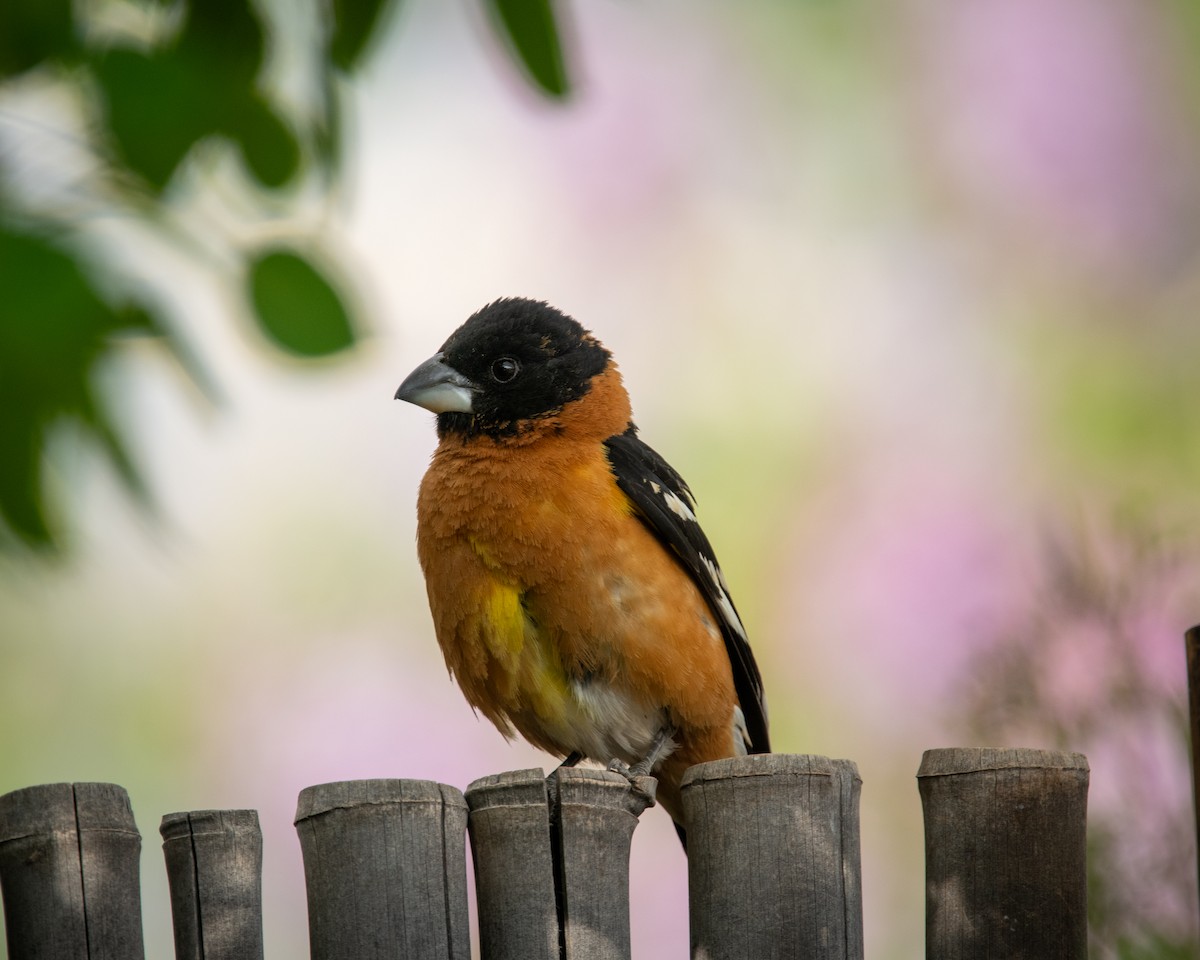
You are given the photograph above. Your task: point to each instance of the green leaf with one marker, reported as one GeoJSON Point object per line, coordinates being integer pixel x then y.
{"type": "Point", "coordinates": [161, 104]}
{"type": "Point", "coordinates": [355, 22]}
{"type": "Point", "coordinates": [533, 34]}
{"type": "Point", "coordinates": [224, 41]}
{"type": "Point", "coordinates": [21, 506]}
{"type": "Point", "coordinates": [158, 107]}
{"type": "Point", "coordinates": [32, 31]}
{"type": "Point", "coordinates": [54, 330]}
{"type": "Point", "coordinates": [296, 307]}
{"type": "Point", "coordinates": [270, 149]}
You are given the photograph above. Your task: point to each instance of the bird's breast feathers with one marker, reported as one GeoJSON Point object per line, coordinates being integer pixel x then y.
{"type": "Point", "coordinates": [556, 609]}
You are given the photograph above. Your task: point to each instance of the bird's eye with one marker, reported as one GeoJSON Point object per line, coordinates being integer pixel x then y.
{"type": "Point", "coordinates": [505, 369]}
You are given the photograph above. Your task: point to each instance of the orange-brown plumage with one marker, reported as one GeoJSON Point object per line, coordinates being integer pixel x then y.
{"type": "Point", "coordinates": [559, 609]}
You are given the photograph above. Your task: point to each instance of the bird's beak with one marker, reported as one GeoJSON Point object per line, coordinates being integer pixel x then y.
{"type": "Point", "coordinates": [437, 386]}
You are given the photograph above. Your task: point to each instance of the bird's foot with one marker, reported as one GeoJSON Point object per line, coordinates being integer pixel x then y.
{"type": "Point", "coordinates": [641, 784]}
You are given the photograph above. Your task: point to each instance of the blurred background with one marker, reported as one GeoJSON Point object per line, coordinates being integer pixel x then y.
{"type": "Point", "coordinates": [908, 292]}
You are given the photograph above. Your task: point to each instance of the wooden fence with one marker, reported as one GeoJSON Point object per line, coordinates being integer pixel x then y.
{"type": "Point", "coordinates": [773, 866]}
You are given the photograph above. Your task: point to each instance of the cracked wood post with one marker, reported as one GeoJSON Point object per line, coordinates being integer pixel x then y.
{"type": "Point", "coordinates": [552, 863]}
{"type": "Point", "coordinates": [214, 870]}
{"type": "Point", "coordinates": [509, 825]}
{"type": "Point", "coordinates": [385, 869]}
{"type": "Point", "coordinates": [597, 814]}
{"type": "Point", "coordinates": [1005, 852]}
{"type": "Point", "coordinates": [69, 857]}
{"type": "Point", "coordinates": [774, 858]}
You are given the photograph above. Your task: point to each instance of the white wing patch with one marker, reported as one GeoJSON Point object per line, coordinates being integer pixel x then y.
{"type": "Point", "coordinates": [676, 504]}
{"type": "Point", "coordinates": [724, 604]}
{"type": "Point", "coordinates": [741, 736]}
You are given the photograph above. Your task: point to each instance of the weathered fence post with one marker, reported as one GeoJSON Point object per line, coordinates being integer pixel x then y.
{"type": "Point", "coordinates": [596, 816]}
{"type": "Point", "coordinates": [214, 869]}
{"type": "Point", "coordinates": [509, 825]}
{"type": "Point", "coordinates": [385, 868]}
{"type": "Point", "coordinates": [69, 872]}
{"type": "Point", "coordinates": [773, 858]}
{"type": "Point", "coordinates": [1005, 854]}
{"type": "Point", "coordinates": [552, 863]}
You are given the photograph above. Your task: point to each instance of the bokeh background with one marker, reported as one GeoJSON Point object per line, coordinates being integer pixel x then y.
{"type": "Point", "coordinates": [908, 291]}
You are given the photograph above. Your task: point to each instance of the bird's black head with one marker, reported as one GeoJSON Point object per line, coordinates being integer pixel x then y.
{"type": "Point", "coordinates": [513, 361]}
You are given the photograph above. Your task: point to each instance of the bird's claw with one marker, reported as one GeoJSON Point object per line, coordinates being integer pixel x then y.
{"type": "Point", "coordinates": [641, 785]}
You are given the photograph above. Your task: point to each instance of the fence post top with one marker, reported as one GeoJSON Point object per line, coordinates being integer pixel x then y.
{"type": "Point", "coordinates": [519, 787]}
{"type": "Point", "coordinates": [769, 765]}
{"type": "Point", "coordinates": [200, 823]}
{"type": "Point", "coordinates": [327, 797]}
{"type": "Point", "coordinates": [589, 775]}
{"type": "Point", "coordinates": [53, 807]}
{"type": "Point", "coordinates": [948, 761]}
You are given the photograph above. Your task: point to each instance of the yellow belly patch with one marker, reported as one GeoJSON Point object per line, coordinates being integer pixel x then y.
{"type": "Point", "coordinates": [526, 674]}
{"type": "Point", "coordinates": [507, 625]}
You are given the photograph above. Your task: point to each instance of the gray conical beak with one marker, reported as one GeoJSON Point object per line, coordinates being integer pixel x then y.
{"type": "Point", "coordinates": [437, 386]}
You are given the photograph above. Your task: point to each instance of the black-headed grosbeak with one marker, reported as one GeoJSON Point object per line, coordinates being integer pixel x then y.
{"type": "Point", "coordinates": [575, 597]}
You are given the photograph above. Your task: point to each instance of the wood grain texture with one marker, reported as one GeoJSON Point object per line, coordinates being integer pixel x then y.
{"type": "Point", "coordinates": [509, 826]}
{"type": "Point", "coordinates": [552, 863]}
{"type": "Point", "coordinates": [1005, 850]}
{"type": "Point", "coordinates": [597, 814]}
{"type": "Point", "coordinates": [69, 857]}
{"type": "Point", "coordinates": [385, 869]}
{"type": "Point", "coordinates": [774, 858]}
{"type": "Point", "coordinates": [214, 869]}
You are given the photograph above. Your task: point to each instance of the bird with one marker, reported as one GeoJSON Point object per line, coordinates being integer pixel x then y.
{"type": "Point", "coordinates": [575, 598]}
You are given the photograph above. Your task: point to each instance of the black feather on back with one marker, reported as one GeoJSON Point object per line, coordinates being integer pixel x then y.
{"type": "Point", "coordinates": [651, 483]}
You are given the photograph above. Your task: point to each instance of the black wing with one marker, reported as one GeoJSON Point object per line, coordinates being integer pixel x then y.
{"type": "Point", "coordinates": [664, 503]}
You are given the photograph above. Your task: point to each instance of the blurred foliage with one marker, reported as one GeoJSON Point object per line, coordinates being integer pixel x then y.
{"type": "Point", "coordinates": [1120, 411]}
{"type": "Point", "coordinates": [158, 85]}
{"type": "Point", "coordinates": [1156, 948]}
{"type": "Point", "coordinates": [534, 36]}
{"type": "Point", "coordinates": [297, 307]}
{"type": "Point", "coordinates": [46, 368]}
{"type": "Point", "coordinates": [1096, 666]}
